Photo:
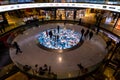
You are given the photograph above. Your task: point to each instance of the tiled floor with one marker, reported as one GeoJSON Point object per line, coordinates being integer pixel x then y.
{"type": "Point", "coordinates": [63, 64]}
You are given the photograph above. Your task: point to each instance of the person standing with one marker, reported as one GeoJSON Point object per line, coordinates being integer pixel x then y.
{"type": "Point", "coordinates": [80, 21]}
{"type": "Point", "coordinates": [42, 20]}
{"type": "Point", "coordinates": [90, 35]}
{"type": "Point", "coordinates": [60, 16]}
{"type": "Point", "coordinates": [82, 33]}
{"type": "Point", "coordinates": [86, 33]}
{"type": "Point", "coordinates": [50, 33]}
{"type": "Point", "coordinates": [46, 33]}
{"type": "Point", "coordinates": [58, 28]}
{"type": "Point", "coordinates": [17, 47]}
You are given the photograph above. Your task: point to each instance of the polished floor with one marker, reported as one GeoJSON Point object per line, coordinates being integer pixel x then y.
{"type": "Point", "coordinates": [64, 64]}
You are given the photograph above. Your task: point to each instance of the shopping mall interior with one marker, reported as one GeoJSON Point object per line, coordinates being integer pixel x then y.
{"type": "Point", "coordinates": [59, 40]}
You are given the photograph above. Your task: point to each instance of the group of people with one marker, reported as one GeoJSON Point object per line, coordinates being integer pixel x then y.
{"type": "Point", "coordinates": [86, 34]}
{"type": "Point", "coordinates": [51, 33]}
{"type": "Point", "coordinates": [39, 70]}
{"type": "Point", "coordinates": [42, 70]}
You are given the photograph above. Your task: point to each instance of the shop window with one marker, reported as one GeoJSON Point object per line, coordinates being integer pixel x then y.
{"type": "Point", "coordinates": [118, 24]}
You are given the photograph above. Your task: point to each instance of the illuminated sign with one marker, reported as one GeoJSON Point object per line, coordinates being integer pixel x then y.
{"type": "Point", "coordinates": [71, 5]}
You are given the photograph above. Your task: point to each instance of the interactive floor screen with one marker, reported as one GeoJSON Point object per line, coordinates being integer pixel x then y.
{"type": "Point", "coordinates": [59, 38]}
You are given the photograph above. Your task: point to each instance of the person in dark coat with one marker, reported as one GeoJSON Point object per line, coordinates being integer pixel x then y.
{"type": "Point", "coordinates": [80, 66]}
{"type": "Point", "coordinates": [82, 33]}
{"type": "Point", "coordinates": [17, 47]}
{"type": "Point", "coordinates": [57, 38]}
{"type": "Point", "coordinates": [90, 35]}
{"type": "Point", "coordinates": [86, 33]}
{"type": "Point", "coordinates": [42, 20]}
{"type": "Point", "coordinates": [80, 21]}
{"type": "Point", "coordinates": [58, 28]}
{"type": "Point", "coordinates": [41, 71]}
{"type": "Point", "coordinates": [50, 34]}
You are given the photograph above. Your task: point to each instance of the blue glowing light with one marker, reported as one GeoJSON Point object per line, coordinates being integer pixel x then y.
{"type": "Point", "coordinates": [59, 38]}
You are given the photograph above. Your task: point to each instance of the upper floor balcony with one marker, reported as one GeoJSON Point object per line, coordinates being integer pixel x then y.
{"type": "Point", "coordinates": [110, 2]}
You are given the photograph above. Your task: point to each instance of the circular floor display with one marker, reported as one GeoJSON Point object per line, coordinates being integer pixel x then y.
{"type": "Point", "coordinates": [59, 38]}
{"type": "Point", "coordinates": [64, 65]}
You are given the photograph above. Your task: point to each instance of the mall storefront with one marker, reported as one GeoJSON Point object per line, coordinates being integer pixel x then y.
{"type": "Point", "coordinates": [73, 14]}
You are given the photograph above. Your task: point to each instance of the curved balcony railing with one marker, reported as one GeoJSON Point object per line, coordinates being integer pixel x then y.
{"type": "Point", "coordinates": [112, 2]}
{"type": "Point", "coordinates": [90, 69]}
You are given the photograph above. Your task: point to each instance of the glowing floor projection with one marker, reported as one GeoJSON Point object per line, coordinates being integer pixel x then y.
{"type": "Point", "coordinates": [59, 38]}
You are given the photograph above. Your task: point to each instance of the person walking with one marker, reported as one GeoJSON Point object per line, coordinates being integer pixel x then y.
{"type": "Point", "coordinates": [17, 47]}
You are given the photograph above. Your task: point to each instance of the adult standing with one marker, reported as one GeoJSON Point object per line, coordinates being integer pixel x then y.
{"type": "Point", "coordinates": [60, 16]}
{"type": "Point", "coordinates": [58, 28]}
{"type": "Point", "coordinates": [57, 38]}
{"type": "Point", "coordinates": [42, 20]}
{"type": "Point", "coordinates": [90, 35]}
{"type": "Point", "coordinates": [80, 21]}
{"type": "Point", "coordinates": [82, 33]}
{"type": "Point", "coordinates": [86, 33]}
{"type": "Point", "coordinates": [50, 33]}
